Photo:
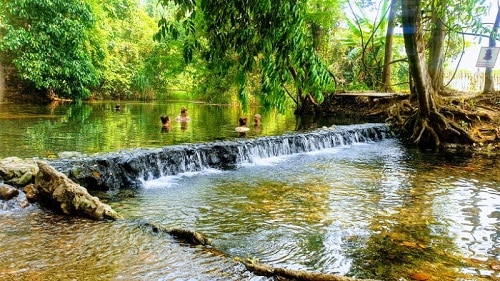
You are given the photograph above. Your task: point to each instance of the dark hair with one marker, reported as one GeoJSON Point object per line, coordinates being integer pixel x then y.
{"type": "Point", "coordinates": [242, 121]}
{"type": "Point", "coordinates": [164, 119]}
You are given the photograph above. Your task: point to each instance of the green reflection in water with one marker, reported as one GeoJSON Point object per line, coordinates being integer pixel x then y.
{"type": "Point", "coordinates": [44, 131]}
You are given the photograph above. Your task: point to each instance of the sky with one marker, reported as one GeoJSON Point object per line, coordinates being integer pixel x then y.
{"type": "Point", "coordinates": [470, 57]}
{"type": "Point", "coordinates": [471, 54]}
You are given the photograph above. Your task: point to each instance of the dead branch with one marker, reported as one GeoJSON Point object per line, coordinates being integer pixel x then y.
{"type": "Point", "coordinates": [195, 238]}
{"type": "Point", "coordinates": [191, 237]}
{"type": "Point", "coordinates": [266, 270]}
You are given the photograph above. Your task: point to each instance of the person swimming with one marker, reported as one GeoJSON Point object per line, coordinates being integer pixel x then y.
{"type": "Point", "coordinates": [256, 120]}
{"type": "Point", "coordinates": [242, 122]}
{"type": "Point", "coordinates": [184, 115]}
{"type": "Point", "coordinates": [165, 121]}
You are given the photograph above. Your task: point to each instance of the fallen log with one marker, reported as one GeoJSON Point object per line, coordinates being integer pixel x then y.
{"type": "Point", "coordinates": [195, 238]}
{"type": "Point", "coordinates": [299, 275]}
{"type": "Point", "coordinates": [56, 189]}
{"type": "Point", "coordinates": [191, 237]}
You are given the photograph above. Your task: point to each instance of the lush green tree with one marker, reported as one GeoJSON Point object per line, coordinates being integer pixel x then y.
{"type": "Point", "coordinates": [322, 18]}
{"type": "Point", "coordinates": [443, 24]}
{"type": "Point", "coordinates": [124, 32]}
{"type": "Point", "coordinates": [269, 36]}
{"type": "Point", "coordinates": [425, 125]}
{"type": "Point", "coordinates": [166, 65]}
{"type": "Point", "coordinates": [372, 45]}
{"type": "Point", "coordinates": [365, 41]}
{"type": "Point", "coordinates": [446, 21]}
{"type": "Point", "coordinates": [48, 44]}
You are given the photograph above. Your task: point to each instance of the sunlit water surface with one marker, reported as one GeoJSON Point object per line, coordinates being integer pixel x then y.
{"type": "Point", "coordinates": [366, 210]}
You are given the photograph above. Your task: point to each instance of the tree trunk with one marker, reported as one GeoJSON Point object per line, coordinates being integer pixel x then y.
{"type": "Point", "coordinates": [317, 35]}
{"type": "Point", "coordinates": [2, 82]}
{"type": "Point", "coordinates": [426, 126]}
{"type": "Point", "coordinates": [436, 50]}
{"type": "Point", "coordinates": [489, 84]}
{"type": "Point", "coordinates": [415, 49]}
{"type": "Point", "coordinates": [386, 73]}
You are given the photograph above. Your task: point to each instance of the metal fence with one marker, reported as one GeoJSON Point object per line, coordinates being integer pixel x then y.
{"type": "Point", "coordinates": [468, 81]}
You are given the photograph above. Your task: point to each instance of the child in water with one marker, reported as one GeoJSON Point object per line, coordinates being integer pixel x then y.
{"type": "Point", "coordinates": [242, 125]}
{"type": "Point", "coordinates": [165, 120]}
{"type": "Point", "coordinates": [256, 120]}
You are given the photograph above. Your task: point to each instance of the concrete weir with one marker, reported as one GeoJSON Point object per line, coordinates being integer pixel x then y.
{"type": "Point", "coordinates": [129, 169]}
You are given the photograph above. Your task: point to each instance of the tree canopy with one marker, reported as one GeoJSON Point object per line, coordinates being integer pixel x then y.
{"type": "Point", "coordinates": [47, 41]}
{"type": "Point", "coordinates": [270, 39]}
{"type": "Point", "coordinates": [278, 54]}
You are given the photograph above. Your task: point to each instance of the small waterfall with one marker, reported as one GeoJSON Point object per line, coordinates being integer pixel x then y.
{"type": "Point", "coordinates": [129, 169]}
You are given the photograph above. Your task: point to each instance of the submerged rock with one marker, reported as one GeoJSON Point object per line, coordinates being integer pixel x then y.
{"type": "Point", "coordinates": [8, 192]}
{"type": "Point", "coordinates": [16, 203]}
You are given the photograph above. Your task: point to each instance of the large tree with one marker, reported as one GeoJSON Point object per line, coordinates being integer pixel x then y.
{"type": "Point", "coordinates": [270, 37]}
{"type": "Point", "coordinates": [389, 40]}
{"type": "Point", "coordinates": [437, 44]}
{"type": "Point", "coordinates": [124, 32]}
{"type": "Point", "coordinates": [47, 43]}
{"type": "Point", "coordinates": [425, 125]}
{"type": "Point", "coordinates": [446, 22]}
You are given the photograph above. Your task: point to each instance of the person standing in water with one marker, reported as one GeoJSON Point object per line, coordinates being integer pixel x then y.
{"type": "Point", "coordinates": [165, 121]}
{"type": "Point", "coordinates": [242, 122]}
{"type": "Point", "coordinates": [256, 123]}
{"type": "Point", "coordinates": [242, 128]}
{"type": "Point", "coordinates": [184, 115]}
{"type": "Point", "coordinates": [183, 118]}
{"type": "Point", "coordinates": [256, 120]}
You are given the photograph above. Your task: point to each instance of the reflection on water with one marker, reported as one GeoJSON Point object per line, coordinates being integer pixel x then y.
{"type": "Point", "coordinates": [28, 130]}
{"type": "Point", "coordinates": [36, 130]}
{"type": "Point", "coordinates": [370, 210]}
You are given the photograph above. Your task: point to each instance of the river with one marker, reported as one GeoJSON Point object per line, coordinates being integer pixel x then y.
{"type": "Point", "coordinates": [371, 209]}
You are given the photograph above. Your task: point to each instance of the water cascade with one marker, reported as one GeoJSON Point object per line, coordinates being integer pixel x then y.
{"type": "Point", "coordinates": [129, 169]}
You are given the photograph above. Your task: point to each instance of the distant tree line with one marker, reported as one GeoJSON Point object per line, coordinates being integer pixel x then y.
{"type": "Point", "coordinates": [273, 53]}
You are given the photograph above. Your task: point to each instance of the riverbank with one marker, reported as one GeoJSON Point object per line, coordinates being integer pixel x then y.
{"type": "Point", "coordinates": [477, 114]}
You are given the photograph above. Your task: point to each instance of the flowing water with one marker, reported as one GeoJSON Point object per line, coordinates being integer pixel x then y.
{"type": "Point", "coordinates": [370, 209]}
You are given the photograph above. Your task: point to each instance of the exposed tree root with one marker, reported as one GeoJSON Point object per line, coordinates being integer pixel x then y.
{"type": "Point", "coordinates": [460, 114]}
{"type": "Point", "coordinates": [434, 130]}
{"type": "Point", "coordinates": [195, 238]}
{"type": "Point", "coordinates": [191, 237]}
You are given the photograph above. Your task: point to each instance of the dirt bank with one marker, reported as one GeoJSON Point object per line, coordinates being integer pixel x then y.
{"type": "Point", "coordinates": [478, 114]}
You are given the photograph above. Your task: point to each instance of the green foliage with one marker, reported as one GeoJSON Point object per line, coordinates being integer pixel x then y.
{"type": "Point", "coordinates": [270, 37]}
{"type": "Point", "coordinates": [365, 43]}
{"type": "Point", "coordinates": [466, 17]}
{"type": "Point", "coordinates": [279, 53]}
{"type": "Point", "coordinates": [48, 43]}
{"type": "Point", "coordinates": [125, 32]}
